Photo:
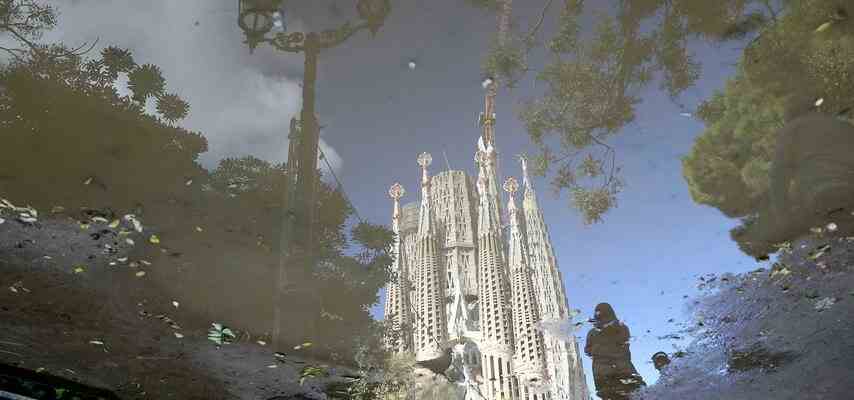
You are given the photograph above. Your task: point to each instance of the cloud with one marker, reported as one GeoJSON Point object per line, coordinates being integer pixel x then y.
{"type": "Point", "coordinates": [241, 103]}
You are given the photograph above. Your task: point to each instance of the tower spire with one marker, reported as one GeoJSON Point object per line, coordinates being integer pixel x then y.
{"type": "Point", "coordinates": [396, 306]}
{"type": "Point", "coordinates": [528, 361]}
{"type": "Point", "coordinates": [431, 324]}
{"type": "Point", "coordinates": [494, 299]}
{"type": "Point", "coordinates": [526, 179]}
{"type": "Point", "coordinates": [562, 357]}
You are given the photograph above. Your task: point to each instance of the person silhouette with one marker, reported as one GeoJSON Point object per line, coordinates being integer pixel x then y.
{"type": "Point", "coordinates": [660, 360]}
{"type": "Point", "coordinates": [607, 344]}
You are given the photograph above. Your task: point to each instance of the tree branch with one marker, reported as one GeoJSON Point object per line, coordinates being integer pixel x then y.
{"type": "Point", "coordinates": [770, 10]}
{"type": "Point", "coordinates": [13, 52]}
{"type": "Point", "coordinates": [539, 24]}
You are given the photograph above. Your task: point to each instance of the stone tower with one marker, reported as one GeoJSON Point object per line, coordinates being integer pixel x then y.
{"type": "Point", "coordinates": [528, 360]}
{"type": "Point", "coordinates": [563, 358]}
{"type": "Point", "coordinates": [397, 294]}
{"type": "Point", "coordinates": [430, 322]}
{"type": "Point", "coordinates": [477, 291]}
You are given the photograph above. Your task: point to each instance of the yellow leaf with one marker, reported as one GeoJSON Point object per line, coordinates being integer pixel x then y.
{"type": "Point", "coordinates": [154, 239]}
{"type": "Point", "coordinates": [79, 269]}
{"type": "Point", "coordinates": [84, 226]}
{"type": "Point", "coordinates": [140, 274]}
{"type": "Point", "coordinates": [823, 27]}
{"type": "Point", "coordinates": [306, 344]}
{"type": "Point", "coordinates": [114, 224]}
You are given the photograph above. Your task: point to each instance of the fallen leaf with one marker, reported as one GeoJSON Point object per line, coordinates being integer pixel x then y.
{"type": "Point", "coordinates": [2, 221]}
{"type": "Point", "coordinates": [154, 239]}
{"type": "Point", "coordinates": [87, 181]}
{"type": "Point", "coordinates": [100, 220]}
{"type": "Point", "coordinates": [136, 224]}
{"type": "Point", "coordinates": [175, 303]}
{"type": "Point", "coordinates": [178, 335]}
{"type": "Point", "coordinates": [140, 274]}
{"type": "Point", "coordinates": [199, 229]}
{"type": "Point", "coordinates": [823, 27]}
{"type": "Point", "coordinates": [784, 271]}
{"type": "Point", "coordinates": [98, 342]}
{"type": "Point", "coordinates": [79, 269]}
{"type": "Point", "coordinates": [818, 252]}
{"type": "Point", "coordinates": [825, 303]}
{"type": "Point", "coordinates": [272, 366]}
{"type": "Point", "coordinates": [130, 241]}
{"type": "Point", "coordinates": [819, 102]}
{"type": "Point", "coordinates": [146, 263]}
{"type": "Point", "coordinates": [263, 343]}
{"type": "Point", "coordinates": [114, 224]}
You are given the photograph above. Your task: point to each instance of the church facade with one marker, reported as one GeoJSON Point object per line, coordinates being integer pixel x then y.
{"type": "Point", "coordinates": [477, 276]}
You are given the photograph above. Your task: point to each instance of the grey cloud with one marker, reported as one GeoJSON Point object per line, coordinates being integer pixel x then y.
{"type": "Point", "coordinates": [242, 103]}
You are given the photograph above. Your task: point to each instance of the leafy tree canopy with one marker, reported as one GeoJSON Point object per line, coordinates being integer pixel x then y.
{"type": "Point", "coordinates": [799, 61]}
{"type": "Point", "coordinates": [68, 138]}
{"type": "Point", "coordinates": [593, 81]}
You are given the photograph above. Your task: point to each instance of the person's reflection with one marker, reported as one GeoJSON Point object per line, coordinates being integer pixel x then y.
{"type": "Point", "coordinates": [608, 345]}
{"type": "Point", "coordinates": [660, 360]}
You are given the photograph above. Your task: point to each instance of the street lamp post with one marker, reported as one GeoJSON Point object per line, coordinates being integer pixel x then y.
{"type": "Point", "coordinates": [257, 18]}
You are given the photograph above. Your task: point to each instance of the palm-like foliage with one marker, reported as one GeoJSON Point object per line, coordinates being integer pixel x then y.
{"type": "Point", "coordinates": [117, 60]}
{"type": "Point", "coordinates": [172, 107]}
{"type": "Point", "coordinates": [146, 81]}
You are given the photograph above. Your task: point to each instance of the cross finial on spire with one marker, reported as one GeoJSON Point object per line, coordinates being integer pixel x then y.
{"type": "Point", "coordinates": [424, 160]}
{"type": "Point", "coordinates": [511, 185]}
{"type": "Point", "coordinates": [396, 191]}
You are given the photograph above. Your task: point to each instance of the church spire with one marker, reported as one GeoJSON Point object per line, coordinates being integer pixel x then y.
{"type": "Point", "coordinates": [431, 324]}
{"type": "Point", "coordinates": [562, 357]}
{"type": "Point", "coordinates": [528, 361]}
{"type": "Point", "coordinates": [397, 296]}
{"type": "Point", "coordinates": [494, 299]}
{"type": "Point", "coordinates": [526, 179]}
{"type": "Point", "coordinates": [550, 296]}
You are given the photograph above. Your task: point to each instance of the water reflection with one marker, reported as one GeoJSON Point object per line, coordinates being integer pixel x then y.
{"type": "Point", "coordinates": [172, 226]}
